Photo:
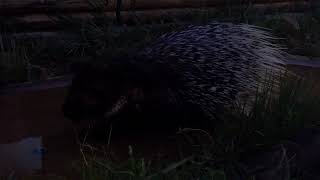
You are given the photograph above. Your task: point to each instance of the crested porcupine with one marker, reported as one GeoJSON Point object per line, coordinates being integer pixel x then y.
{"type": "Point", "coordinates": [183, 79]}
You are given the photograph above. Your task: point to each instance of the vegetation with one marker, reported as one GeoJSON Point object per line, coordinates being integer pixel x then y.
{"type": "Point", "coordinates": [264, 131]}
{"type": "Point", "coordinates": [271, 121]}
{"type": "Point", "coordinates": [13, 61]}
{"type": "Point", "coordinates": [225, 153]}
{"type": "Point", "coordinates": [101, 38]}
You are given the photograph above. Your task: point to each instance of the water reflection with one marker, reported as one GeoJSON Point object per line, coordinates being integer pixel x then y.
{"type": "Point", "coordinates": [24, 156]}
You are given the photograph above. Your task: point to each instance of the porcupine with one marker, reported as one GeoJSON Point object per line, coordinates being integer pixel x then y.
{"type": "Point", "coordinates": [183, 79]}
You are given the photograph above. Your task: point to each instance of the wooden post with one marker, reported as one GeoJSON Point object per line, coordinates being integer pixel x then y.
{"type": "Point", "coordinates": [118, 11]}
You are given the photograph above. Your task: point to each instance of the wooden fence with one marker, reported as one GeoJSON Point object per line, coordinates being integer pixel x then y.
{"type": "Point", "coordinates": [14, 7]}
{"type": "Point", "coordinates": [35, 14]}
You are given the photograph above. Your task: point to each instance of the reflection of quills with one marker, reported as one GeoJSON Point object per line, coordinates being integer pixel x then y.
{"type": "Point", "coordinates": [198, 70]}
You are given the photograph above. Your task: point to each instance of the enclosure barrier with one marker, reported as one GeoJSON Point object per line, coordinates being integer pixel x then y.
{"type": "Point", "coordinates": [15, 7]}
{"type": "Point", "coordinates": [36, 15]}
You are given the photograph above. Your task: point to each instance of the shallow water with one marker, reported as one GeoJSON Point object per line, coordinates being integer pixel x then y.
{"type": "Point", "coordinates": [24, 156]}
{"type": "Point", "coordinates": [35, 137]}
{"type": "Point", "coordinates": [37, 155]}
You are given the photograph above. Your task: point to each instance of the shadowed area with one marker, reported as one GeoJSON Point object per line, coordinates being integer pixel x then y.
{"type": "Point", "coordinates": [35, 136]}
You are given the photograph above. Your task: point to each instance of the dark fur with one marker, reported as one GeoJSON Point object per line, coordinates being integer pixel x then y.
{"type": "Point", "coordinates": [95, 89]}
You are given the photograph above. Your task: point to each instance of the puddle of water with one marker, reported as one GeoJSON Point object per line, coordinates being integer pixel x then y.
{"type": "Point", "coordinates": [38, 155]}
{"type": "Point", "coordinates": [23, 157]}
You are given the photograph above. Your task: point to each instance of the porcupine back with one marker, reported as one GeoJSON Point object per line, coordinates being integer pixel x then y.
{"type": "Point", "coordinates": [216, 63]}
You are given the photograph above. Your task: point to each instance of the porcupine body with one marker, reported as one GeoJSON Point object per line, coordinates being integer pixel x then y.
{"type": "Point", "coordinates": [183, 79]}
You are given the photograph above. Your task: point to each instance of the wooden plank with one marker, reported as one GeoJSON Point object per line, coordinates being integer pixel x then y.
{"type": "Point", "coordinates": [14, 7]}
{"type": "Point", "coordinates": [43, 22]}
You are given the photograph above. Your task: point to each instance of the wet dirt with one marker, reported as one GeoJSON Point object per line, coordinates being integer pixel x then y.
{"type": "Point", "coordinates": [31, 124]}
{"type": "Point", "coordinates": [36, 138]}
